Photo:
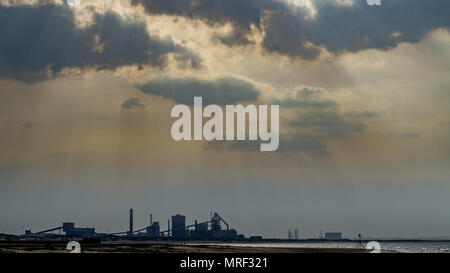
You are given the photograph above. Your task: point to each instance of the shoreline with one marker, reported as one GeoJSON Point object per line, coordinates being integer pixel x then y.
{"type": "Point", "coordinates": [161, 247]}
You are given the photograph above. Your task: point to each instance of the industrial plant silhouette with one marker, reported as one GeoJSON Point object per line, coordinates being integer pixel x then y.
{"type": "Point", "coordinates": [211, 229]}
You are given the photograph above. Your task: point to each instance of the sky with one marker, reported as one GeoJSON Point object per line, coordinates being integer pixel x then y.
{"type": "Point", "coordinates": [86, 93]}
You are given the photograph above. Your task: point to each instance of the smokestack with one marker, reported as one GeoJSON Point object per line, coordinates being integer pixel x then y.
{"type": "Point", "coordinates": [131, 221]}
{"type": "Point", "coordinates": [151, 219]}
{"type": "Point", "coordinates": [168, 227]}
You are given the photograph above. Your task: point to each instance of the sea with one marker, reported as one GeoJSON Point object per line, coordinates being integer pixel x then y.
{"type": "Point", "coordinates": [386, 246]}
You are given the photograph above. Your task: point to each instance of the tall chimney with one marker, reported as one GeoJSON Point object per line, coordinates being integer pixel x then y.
{"type": "Point", "coordinates": [151, 219]}
{"type": "Point", "coordinates": [168, 227]}
{"type": "Point", "coordinates": [131, 221]}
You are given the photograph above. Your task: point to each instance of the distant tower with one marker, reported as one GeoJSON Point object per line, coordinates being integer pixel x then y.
{"type": "Point", "coordinates": [131, 222]}
{"type": "Point", "coordinates": [296, 234]}
{"type": "Point", "coordinates": [321, 236]}
{"type": "Point", "coordinates": [290, 234]}
{"type": "Point", "coordinates": [215, 222]}
{"type": "Point", "coordinates": [168, 228]}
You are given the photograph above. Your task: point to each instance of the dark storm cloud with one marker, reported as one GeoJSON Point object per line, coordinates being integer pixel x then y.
{"type": "Point", "coordinates": [220, 91]}
{"type": "Point", "coordinates": [354, 28]}
{"type": "Point", "coordinates": [233, 38]}
{"type": "Point", "coordinates": [132, 102]}
{"type": "Point", "coordinates": [338, 28]}
{"type": "Point", "coordinates": [241, 14]}
{"type": "Point", "coordinates": [285, 33]}
{"type": "Point", "coordinates": [37, 42]}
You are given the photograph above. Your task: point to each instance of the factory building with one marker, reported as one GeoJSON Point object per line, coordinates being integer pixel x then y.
{"type": "Point", "coordinates": [68, 228]}
{"type": "Point", "coordinates": [224, 234]}
{"type": "Point", "coordinates": [179, 226]}
{"type": "Point", "coordinates": [201, 231]}
{"type": "Point", "coordinates": [71, 230]}
{"type": "Point", "coordinates": [203, 227]}
{"type": "Point", "coordinates": [153, 230]}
